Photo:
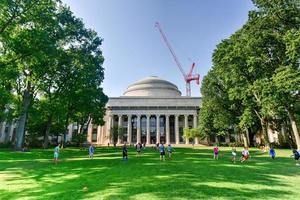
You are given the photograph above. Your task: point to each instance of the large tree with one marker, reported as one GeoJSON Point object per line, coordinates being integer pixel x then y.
{"type": "Point", "coordinates": [51, 54]}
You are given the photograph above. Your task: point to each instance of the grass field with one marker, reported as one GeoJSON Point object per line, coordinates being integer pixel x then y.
{"type": "Point", "coordinates": [192, 174]}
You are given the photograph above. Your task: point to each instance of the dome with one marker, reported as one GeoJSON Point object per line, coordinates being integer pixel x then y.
{"type": "Point", "coordinates": [153, 87]}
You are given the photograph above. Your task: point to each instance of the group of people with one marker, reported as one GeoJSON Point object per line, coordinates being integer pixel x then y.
{"type": "Point", "coordinates": [245, 154]}
{"type": "Point", "coordinates": [139, 147]}
{"type": "Point", "coordinates": [162, 152]}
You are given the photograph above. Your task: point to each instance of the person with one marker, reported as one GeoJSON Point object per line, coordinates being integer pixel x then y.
{"type": "Point", "coordinates": [245, 154]}
{"type": "Point", "coordinates": [233, 153]}
{"type": "Point", "coordinates": [56, 154]}
{"type": "Point", "coordinates": [125, 152]}
{"type": "Point", "coordinates": [138, 148]}
{"type": "Point", "coordinates": [216, 152]}
{"type": "Point", "coordinates": [272, 153]}
{"type": "Point", "coordinates": [170, 151]}
{"type": "Point", "coordinates": [162, 152]}
{"type": "Point", "coordinates": [91, 151]}
{"type": "Point", "coordinates": [296, 156]}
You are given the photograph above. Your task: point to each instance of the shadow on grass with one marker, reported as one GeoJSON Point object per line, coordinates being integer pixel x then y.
{"type": "Point", "coordinates": [192, 174]}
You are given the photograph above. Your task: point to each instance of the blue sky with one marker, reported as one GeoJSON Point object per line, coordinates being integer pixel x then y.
{"type": "Point", "coordinates": [133, 48]}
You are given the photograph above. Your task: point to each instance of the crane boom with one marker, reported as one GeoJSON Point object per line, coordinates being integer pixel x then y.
{"type": "Point", "coordinates": [171, 49]}
{"type": "Point", "coordinates": [187, 77]}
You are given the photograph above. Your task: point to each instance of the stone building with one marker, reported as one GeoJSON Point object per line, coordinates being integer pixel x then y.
{"type": "Point", "coordinates": [150, 111]}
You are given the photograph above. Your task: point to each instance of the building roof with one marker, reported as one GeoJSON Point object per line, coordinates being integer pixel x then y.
{"type": "Point", "coordinates": [152, 86]}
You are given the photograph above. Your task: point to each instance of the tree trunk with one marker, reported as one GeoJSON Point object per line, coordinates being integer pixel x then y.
{"type": "Point", "coordinates": [66, 129]}
{"type": "Point", "coordinates": [47, 131]}
{"type": "Point", "coordinates": [264, 126]}
{"type": "Point", "coordinates": [294, 127]}
{"type": "Point", "coordinates": [245, 138]}
{"type": "Point", "coordinates": [22, 120]}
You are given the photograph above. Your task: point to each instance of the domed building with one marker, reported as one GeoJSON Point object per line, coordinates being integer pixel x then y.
{"type": "Point", "coordinates": [150, 111]}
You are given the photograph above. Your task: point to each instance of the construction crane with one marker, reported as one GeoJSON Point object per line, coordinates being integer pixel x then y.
{"type": "Point", "coordinates": [187, 77]}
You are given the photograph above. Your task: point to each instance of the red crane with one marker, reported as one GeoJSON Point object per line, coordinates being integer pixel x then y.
{"type": "Point", "coordinates": [187, 77]}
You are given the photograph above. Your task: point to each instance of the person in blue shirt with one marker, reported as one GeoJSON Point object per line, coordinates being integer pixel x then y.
{"type": "Point", "coordinates": [170, 151]}
{"type": "Point", "coordinates": [296, 156]}
{"type": "Point", "coordinates": [272, 153]}
{"type": "Point", "coordinates": [162, 151]}
{"type": "Point", "coordinates": [91, 151]}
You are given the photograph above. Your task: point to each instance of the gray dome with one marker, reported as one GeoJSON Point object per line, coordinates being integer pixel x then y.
{"type": "Point", "coordinates": [152, 86]}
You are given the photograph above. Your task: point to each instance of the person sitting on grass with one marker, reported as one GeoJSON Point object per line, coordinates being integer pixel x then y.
{"type": "Point", "coordinates": [162, 152]}
{"type": "Point", "coordinates": [216, 152]}
{"type": "Point", "coordinates": [56, 154]}
{"type": "Point", "coordinates": [272, 153]}
{"type": "Point", "coordinates": [125, 152]}
{"type": "Point", "coordinates": [296, 156]}
{"type": "Point", "coordinates": [233, 153]}
{"type": "Point", "coordinates": [245, 154]}
{"type": "Point", "coordinates": [91, 151]}
{"type": "Point", "coordinates": [170, 151]}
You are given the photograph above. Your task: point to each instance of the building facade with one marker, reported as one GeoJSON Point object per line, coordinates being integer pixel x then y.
{"type": "Point", "coordinates": [150, 111]}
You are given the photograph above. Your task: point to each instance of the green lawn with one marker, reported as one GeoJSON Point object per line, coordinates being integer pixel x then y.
{"type": "Point", "coordinates": [192, 174]}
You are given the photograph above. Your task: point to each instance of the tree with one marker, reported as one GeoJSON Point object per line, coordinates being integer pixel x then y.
{"type": "Point", "coordinates": [57, 58]}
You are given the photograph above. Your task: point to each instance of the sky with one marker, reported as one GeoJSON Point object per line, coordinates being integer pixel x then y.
{"type": "Point", "coordinates": [134, 49]}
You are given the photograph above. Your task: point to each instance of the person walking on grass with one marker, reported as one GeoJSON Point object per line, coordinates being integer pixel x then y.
{"type": "Point", "coordinates": [170, 151]}
{"type": "Point", "coordinates": [216, 152]}
{"type": "Point", "coordinates": [138, 148]}
{"type": "Point", "coordinates": [233, 153]}
{"type": "Point", "coordinates": [245, 155]}
{"type": "Point", "coordinates": [162, 152]}
{"type": "Point", "coordinates": [125, 152]}
{"type": "Point", "coordinates": [91, 151]}
{"type": "Point", "coordinates": [296, 155]}
{"type": "Point", "coordinates": [272, 153]}
{"type": "Point", "coordinates": [56, 154]}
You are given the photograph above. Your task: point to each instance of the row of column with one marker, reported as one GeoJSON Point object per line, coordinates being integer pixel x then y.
{"type": "Point", "coordinates": [129, 128]}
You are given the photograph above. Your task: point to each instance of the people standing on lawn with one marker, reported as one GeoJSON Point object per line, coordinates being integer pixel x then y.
{"type": "Point", "coordinates": [170, 151]}
{"type": "Point", "coordinates": [245, 155]}
{"type": "Point", "coordinates": [233, 153]}
{"type": "Point", "coordinates": [272, 153]}
{"type": "Point", "coordinates": [138, 148]}
{"type": "Point", "coordinates": [162, 152]}
{"type": "Point", "coordinates": [296, 155]}
{"type": "Point", "coordinates": [216, 152]}
{"type": "Point", "coordinates": [125, 152]}
{"type": "Point", "coordinates": [91, 151]}
{"type": "Point", "coordinates": [56, 154]}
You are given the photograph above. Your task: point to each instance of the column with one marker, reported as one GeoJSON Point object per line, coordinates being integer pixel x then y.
{"type": "Point", "coordinates": [108, 128]}
{"type": "Point", "coordinates": [168, 129]}
{"type": "Point", "coordinates": [148, 130]}
{"type": "Point", "coordinates": [195, 126]}
{"type": "Point", "coordinates": [138, 129]}
{"type": "Point", "coordinates": [186, 125]}
{"type": "Point", "coordinates": [176, 129]}
{"type": "Point", "coordinates": [129, 129]}
{"type": "Point", "coordinates": [120, 134]}
{"type": "Point", "coordinates": [157, 129]}
{"type": "Point", "coordinates": [89, 133]}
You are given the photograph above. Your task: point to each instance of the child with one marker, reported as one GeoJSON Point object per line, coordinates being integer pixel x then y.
{"type": "Point", "coordinates": [91, 151]}
{"type": "Point", "coordinates": [170, 150]}
{"type": "Point", "coordinates": [162, 152]}
{"type": "Point", "coordinates": [233, 152]}
{"type": "Point", "coordinates": [125, 152]}
{"type": "Point", "coordinates": [216, 152]}
{"type": "Point", "coordinates": [56, 154]}
{"type": "Point", "coordinates": [296, 156]}
{"type": "Point", "coordinates": [245, 154]}
{"type": "Point", "coordinates": [272, 153]}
